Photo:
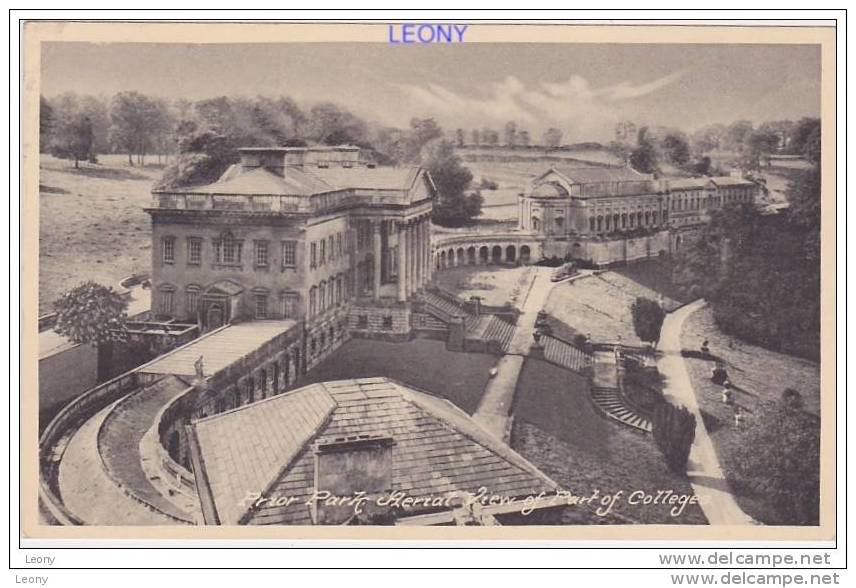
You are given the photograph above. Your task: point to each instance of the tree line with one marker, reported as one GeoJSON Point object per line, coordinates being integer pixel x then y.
{"type": "Point", "coordinates": [761, 273]}
{"type": "Point", "coordinates": [651, 149]}
{"type": "Point", "coordinates": [202, 138]}
{"type": "Point", "coordinates": [511, 135]}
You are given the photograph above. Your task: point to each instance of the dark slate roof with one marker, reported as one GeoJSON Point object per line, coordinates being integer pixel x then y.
{"type": "Point", "coordinates": [438, 448]}
{"type": "Point", "coordinates": [261, 182]}
{"type": "Point", "coordinates": [594, 175]}
{"type": "Point", "coordinates": [305, 181]}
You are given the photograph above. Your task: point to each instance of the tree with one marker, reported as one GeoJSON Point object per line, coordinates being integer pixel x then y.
{"type": "Point", "coordinates": [95, 315]}
{"type": "Point", "coordinates": [510, 135]}
{"type": "Point", "coordinates": [709, 138]}
{"type": "Point", "coordinates": [756, 145]}
{"type": "Point", "coordinates": [135, 123]}
{"type": "Point", "coordinates": [648, 318]}
{"type": "Point", "coordinates": [45, 124]}
{"type": "Point", "coordinates": [552, 137]}
{"type": "Point", "coordinates": [459, 137]}
{"type": "Point", "coordinates": [644, 157]}
{"type": "Point", "coordinates": [453, 206]}
{"type": "Point", "coordinates": [778, 457]}
{"type": "Point", "coordinates": [476, 137]}
{"type": "Point", "coordinates": [676, 149]}
{"type": "Point", "coordinates": [736, 134]}
{"type": "Point", "coordinates": [673, 429]}
{"type": "Point", "coordinates": [523, 138]}
{"type": "Point", "coordinates": [489, 137]}
{"type": "Point", "coordinates": [72, 135]}
{"type": "Point", "coordinates": [801, 133]}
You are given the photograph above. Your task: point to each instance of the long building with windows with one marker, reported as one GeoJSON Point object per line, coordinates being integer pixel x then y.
{"type": "Point", "coordinates": [319, 235]}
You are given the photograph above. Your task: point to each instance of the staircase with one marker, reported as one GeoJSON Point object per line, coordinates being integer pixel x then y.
{"type": "Point", "coordinates": [565, 354]}
{"type": "Point", "coordinates": [606, 393]}
{"type": "Point", "coordinates": [490, 328]}
{"type": "Point", "coordinates": [611, 403]}
{"type": "Point", "coordinates": [442, 308]}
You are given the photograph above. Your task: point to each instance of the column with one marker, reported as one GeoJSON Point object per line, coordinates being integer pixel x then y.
{"type": "Point", "coordinates": [420, 260]}
{"type": "Point", "coordinates": [402, 262]}
{"type": "Point", "coordinates": [429, 253]}
{"type": "Point", "coordinates": [411, 258]}
{"type": "Point", "coordinates": [376, 259]}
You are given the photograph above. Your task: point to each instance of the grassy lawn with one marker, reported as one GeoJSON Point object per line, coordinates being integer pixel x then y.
{"type": "Point", "coordinates": [557, 429]}
{"type": "Point", "coordinates": [91, 223]}
{"type": "Point", "coordinates": [422, 363]}
{"type": "Point", "coordinates": [496, 285]}
{"type": "Point", "coordinates": [655, 274]}
{"type": "Point", "coordinates": [758, 375]}
{"type": "Point", "coordinates": [600, 305]}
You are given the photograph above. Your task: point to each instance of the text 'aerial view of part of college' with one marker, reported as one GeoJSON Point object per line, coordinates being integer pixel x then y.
{"type": "Point", "coordinates": [482, 285]}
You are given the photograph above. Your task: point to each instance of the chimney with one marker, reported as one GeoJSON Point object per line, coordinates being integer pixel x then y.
{"type": "Point", "coordinates": [348, 465]}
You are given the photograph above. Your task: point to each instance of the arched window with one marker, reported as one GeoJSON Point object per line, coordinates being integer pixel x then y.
{"type": "Point", "coordinates": [591, 224]}
{"type": "Point", "coordinates": [560, 223]}
{"type": "Point", "coordinates": [536, 223]}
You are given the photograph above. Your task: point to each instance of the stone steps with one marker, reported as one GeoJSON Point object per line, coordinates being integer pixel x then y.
{"type": "Point", "coordinates": [564, 354]}
{"type": "Point", "coordinates": [489, 327]}
{"type": "Point", "coordinates": [612, 404]}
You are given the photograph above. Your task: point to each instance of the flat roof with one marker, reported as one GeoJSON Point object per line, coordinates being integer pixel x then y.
{"type": "Point", "coordinates": [219, 349]}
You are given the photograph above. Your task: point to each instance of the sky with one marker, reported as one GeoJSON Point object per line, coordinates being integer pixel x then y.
{"type": "Point", "coordinates": [583, 89]}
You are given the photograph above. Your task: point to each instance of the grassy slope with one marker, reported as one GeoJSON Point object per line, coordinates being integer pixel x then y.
{"type": "Point", "coordinates": [91, 223]}
{"type": "Point", "coordinates": [423, 363]}
{"type": "Point", "coordinates": [759, 374]}
{"type": "Point", "coordinates": [558, 430]}
{"type": "Point", "coordinates": [599, 305]}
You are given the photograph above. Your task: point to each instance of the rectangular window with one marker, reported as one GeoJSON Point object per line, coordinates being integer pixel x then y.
{"type": "Point", "coordinates": [313, 255]}
{"type": "Point", "coordinates": [261, 306]}
{"type": "Point", "coordinates": [322, 256]}
{"type": "Point", "coordinates": [194, 251]}
{"type": "Point", "coordinates": [261, 253]}
{"type": "Point", "coordinates": [362, 321]}
{"type": "Point", "coordinates": [330, 247]}
{"type": "Point", "coordinates": [169, 249]}
{"type": "Point", "coordinates": [339, 248]}
{"type": "Point", "coordinates": [387, 323]}
{"type": "Point", "coordinates": [289, 253]}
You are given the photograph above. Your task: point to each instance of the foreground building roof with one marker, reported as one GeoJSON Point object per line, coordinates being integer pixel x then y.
{"type": "Point", "coordinates": [270, 447]}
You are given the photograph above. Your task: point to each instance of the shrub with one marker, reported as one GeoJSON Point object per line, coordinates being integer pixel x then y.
{"type": "Point", "coordinates": [674, 432]}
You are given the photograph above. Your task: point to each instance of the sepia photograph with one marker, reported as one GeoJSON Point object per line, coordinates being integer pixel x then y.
{"type": "Point", "coordinates": [563, 283]}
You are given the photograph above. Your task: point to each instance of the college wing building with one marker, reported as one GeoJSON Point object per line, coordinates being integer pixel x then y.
{"type": "Point", "coordinates": [318, 235]}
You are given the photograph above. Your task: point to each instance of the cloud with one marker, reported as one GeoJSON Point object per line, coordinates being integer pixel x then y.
{"type": "Point", "coordinates": [585, 112]}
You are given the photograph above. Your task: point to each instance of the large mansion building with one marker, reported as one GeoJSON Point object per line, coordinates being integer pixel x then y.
{"type": "Point", "coordinates": [318, 235]}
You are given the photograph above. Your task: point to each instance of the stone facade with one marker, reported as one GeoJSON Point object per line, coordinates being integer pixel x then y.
{"type": "Point", "coordinates": [294, 233]}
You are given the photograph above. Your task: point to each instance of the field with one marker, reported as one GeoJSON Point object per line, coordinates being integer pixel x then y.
{"type": "Point", "coordinates": [600, 305]}
{"type": "Point", "coordinates": [558, 430]}
{"type": "Point", "coordinates": [91, 223]}
{"type": "Point", "coordinates": [758, 375]}
{"type": "Point", "coordinates": [423, 363]}
{"type": "Point", "coordinates": [513, 177]}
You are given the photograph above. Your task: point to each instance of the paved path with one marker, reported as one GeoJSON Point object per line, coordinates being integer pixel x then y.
{"type": "Point", "coordinates": [703, 470]}
{"type": "Point", "coordinates": [494, 410]}
{"type": "Point", "coordinates": [89, 493]}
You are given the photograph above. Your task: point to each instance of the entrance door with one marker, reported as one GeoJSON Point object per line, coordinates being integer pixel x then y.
{"type": "Point", "coordinates": [215, 316]}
